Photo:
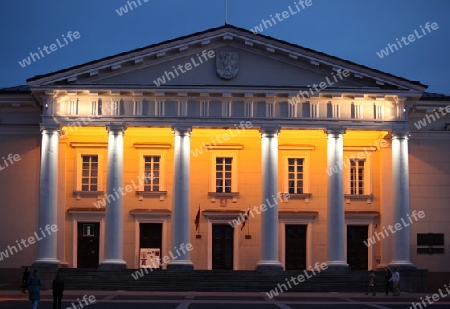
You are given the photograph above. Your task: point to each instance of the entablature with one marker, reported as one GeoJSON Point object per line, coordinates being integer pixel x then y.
{"type": "Point", "coordinates": [136, 106]}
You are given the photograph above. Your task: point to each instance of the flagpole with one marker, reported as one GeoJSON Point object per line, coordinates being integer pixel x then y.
{"type": "Point", "coordinates": [226, 12]}
{"type": "Point", "coordinates": [198, 230]}
{"type": "Point", "coordinates": [248, 223]}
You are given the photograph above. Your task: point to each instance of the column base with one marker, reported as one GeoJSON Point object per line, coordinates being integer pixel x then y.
{"type": "Point", "coordinates": [180, 265]}
{"type": "Point", "coordinates": [269, 266]}
{"type": "Point", "coordinates": [402, 265]}
{"type": "Point", "coordinates": [337, 266]}
{"type": "Point", "coordinates": [45, 262]}
{"type": "Point", "coordinates": [112, 264]}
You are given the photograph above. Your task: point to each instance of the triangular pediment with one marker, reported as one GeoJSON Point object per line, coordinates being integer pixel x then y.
{"type": "Point", "coordinates": [225, 57]}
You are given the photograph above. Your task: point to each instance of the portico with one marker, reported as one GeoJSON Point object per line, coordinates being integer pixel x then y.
{"type": "Point", "coordinates": [167, 136]}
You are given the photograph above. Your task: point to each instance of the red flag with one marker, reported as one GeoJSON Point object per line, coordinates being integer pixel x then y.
{"type": "Point", "coordinates": [197, 219]}
{"type": "Point", "coordinates": [247, 217]}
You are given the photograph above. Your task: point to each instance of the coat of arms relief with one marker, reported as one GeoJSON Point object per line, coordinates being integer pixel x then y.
{"type": "Point", "coordinates": [227, 65]}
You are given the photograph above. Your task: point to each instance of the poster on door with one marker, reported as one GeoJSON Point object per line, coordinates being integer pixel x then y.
{"type": "Point", "coordinates": [149, 258]}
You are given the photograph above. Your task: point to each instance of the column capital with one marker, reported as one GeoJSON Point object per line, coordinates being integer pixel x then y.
{"type": "Point", "coordinates": [182, 129]}
{"type": "Point", "coordinates": [116, 128]}
{"type": "Point", "coordinates": [270, 130]}
{"type": "Point", "coordinates": [400, 134]}
{"type": "Point", "coordinates": [335, 130]}
{"type": "Point", "coordinates": [51, 127]}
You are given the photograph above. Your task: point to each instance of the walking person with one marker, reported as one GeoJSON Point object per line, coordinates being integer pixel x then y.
{"type": "Point", "coordinates": [371, 281]}
{"type": "Point", "coordinates": [388, 285]}
{"type": "Point", "coordinates": [395, 281]}
{"type": "Point", "coordinates": [57, 290]}
{"type": "Point", "coordinates": [34, 289]}
{"type": "Point", "coordinates": [25, 276]}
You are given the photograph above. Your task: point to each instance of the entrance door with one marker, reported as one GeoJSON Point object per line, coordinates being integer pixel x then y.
{"type": "Point", "coordinates": [88, 244]}
{"type": "Point", "coordinates": [222, 244]}
{"type": "Point", "coordinates": [295, 247]}
{"type": "Point", "coordinates": [357, 251]}
{"type": "Point", "coordinates": [150, 237]}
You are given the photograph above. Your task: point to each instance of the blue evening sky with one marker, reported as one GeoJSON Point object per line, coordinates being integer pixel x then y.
{"type": "Point", "coordinates": [354, 30]}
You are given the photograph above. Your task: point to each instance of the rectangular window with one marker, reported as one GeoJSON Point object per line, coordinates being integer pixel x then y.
{"type": "Point", "coordinates": [295, 175]}
{"type": "Point", "coordinates": [314, 110]}
{"type": "Point", "coordinates": [281, 109]}
{"type": "Point", "coordinates": [356, 111]}
{"type": "Point", "coordinates": [259, 109]}
{"type": "Point", "coordinates": [137, 108]}
{"type": "Point", "coordinates": [94, 108]}
{"type": "Point", "coordinates": [357, 176]}
{"type": "Point", "coordinates": [73, 107]}
{"type": "Point", "coordinates": [171, 108]}
{"type": "Point", "coordinates": [306, 110]}
{"type": "Point", "coordinates": [89, 173]}
{"type": "Point", "coordinates": [238, 109]}
{"type": "Point", "coordinates": [333, 110]}
{"type": "Point", "coordinates": [152, 168]}
{"type": "Point", "coordinates": [430, 243]}
{"type": "Point", "coordinates": [115, 108]}
{"type": "Point", "coordinates": [377, 111]}
{"type": "Point", "coordinates": [215, 109]}
{"type": "Point", "coordinates": [223, 174]}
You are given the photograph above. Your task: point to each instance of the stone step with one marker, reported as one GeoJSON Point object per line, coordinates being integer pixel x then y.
{"type": "Point", "coordinates": [203, 280]}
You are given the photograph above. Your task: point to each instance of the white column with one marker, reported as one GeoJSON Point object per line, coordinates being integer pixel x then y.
{"type": "Point", "coordinates": [386, 217]}
{"type": "Point", "coordinates": [335, 201]}
{"type": "Point", "coordinates": [48, 197]}
{"type": "Point", "coordinates": [400, 181]}
{"type": "Point", "coordinates": [114, 209]}
{"type": "Point", "coordinates": [181, 218]}
{"type": "Point", "coordinates": [269, 218]}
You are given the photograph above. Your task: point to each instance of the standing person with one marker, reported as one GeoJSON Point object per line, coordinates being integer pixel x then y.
{"type": "Point", "coordinates": [371, 281]}
{"type": "Point", "coordinates": [34, 289]}
{"type": "Point", "coordinates": [25, 276]}
{"type": "Point", "coordinates": [57, 290]}
{"type": "Point", "coordinates": [395, 281]}
{"type": "Point", "coordinates": [388, 285]}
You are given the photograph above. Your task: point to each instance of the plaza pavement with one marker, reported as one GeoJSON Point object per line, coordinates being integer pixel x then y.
{"type": "Point", "coordinates": [14, 299]}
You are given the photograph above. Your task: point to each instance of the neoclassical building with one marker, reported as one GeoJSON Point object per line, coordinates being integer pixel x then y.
{"type": "Point", "coordinates": [173, 146]}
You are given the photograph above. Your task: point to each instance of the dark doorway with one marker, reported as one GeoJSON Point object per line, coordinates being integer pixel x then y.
{"type": "Point", "coordinates": [357, 251]}
{"type": "Point", "coordinates": [150, 239]}
{"type": "Point", "coordinates": [222, 243]}
{"type": "Point", "coordinates": [88, 244]}
{"type": "Point", "coordinates": [295, 247]}
{"type": "Point", "coordinates": [150, 235]}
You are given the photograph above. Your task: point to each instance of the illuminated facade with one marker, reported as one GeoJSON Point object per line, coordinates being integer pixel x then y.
{"type": "Point", "coordinates": [314, 149]}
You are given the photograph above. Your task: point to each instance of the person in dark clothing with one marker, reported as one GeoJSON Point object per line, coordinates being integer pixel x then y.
{"type": "Point", "coordinates": [388, 285]}
{"type": "Point", "coordinates": [58, 289]}
{"type": "Point", "coordinates": [25, 276]}
{"type": "Point", "coordinates": [34, 289]}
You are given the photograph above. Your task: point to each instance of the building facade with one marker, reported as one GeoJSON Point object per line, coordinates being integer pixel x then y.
{"type": "Point", "coordinates": [224, 150]}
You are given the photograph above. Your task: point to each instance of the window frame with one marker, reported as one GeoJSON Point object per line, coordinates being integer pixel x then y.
{"type": "Point", "coordinates": [378, 111]}
{"type": "Point", "coordinates": [368, 177]}
{"type": "Point", "coordinates": [89, 151]}
{"type": "Point", "coordinates": [90, 169]}
{"type": "Point", "coordinates": [162, 170]}
{"type": "Point", "coordinates": [73, 107]}
{"type": "Point", "coordinates": [430, 248]}
{"type": "Point", "coordinates": [357, 167]}
{"type": "Point", "coordinates": [144, 176]}
{"type": "Point", "coordinates": [305, 155]}
{"type": "Point", "coordinates": [234, 171]}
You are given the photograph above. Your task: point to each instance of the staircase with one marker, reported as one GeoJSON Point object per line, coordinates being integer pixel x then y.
{"type": "Point", "coordinates": [219, 280]}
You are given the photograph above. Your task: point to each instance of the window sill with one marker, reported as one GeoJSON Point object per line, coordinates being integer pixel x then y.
{"type": "Point", "coordinates": [303, 196]}
{"type": "Point", "coordinates": [358, 197]}
{"type": "Point", "coordinates": [152, 194]}
{"type": "Point", "coordinates": [221, 195]}
{"type": "Point", "coordinates": [80, 194]}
